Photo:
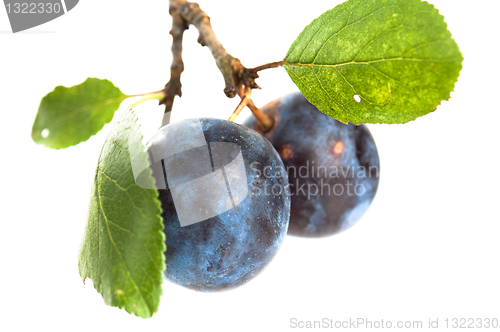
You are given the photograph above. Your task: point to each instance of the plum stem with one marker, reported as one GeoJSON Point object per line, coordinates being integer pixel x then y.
{"type": "Point", "coordinates": [244, 102]}
{"type": "Point", "coordinates": [265, 121]}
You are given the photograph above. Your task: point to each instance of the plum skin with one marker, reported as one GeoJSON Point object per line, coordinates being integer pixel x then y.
{"type": "Point", "coordinates": [228, 250]}
{"type": "Point", "coordinates": [305, 137]}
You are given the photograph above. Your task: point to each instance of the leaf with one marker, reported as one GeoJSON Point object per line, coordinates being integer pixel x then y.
{"type": "Point", "coordinates": [68, 116]}
{"type": "Point", "coordinates": [124, 244]}
{"type": "Point", "coordinates": [396, 57]}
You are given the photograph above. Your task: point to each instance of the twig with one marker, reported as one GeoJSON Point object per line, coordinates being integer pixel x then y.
{"type": "Point", "coordinates": [236, 76]}
{"type": "Point", "coordinates": [227, 64]}
{"type": "Point", "coordinates": [173, 87]}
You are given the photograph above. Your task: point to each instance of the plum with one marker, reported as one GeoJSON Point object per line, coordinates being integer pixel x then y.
{"type": "Point", "coordinates": [222, 228]}
{"type": "Point", "coordinates": [333, 167]}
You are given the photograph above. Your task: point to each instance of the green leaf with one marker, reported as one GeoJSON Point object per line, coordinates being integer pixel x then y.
{"type": "Point", "coordinates": [124, 244]}
{"type": "Point", "coordinates": [396, 57]}
{"type": "Point", "coordinates": [68, 116]}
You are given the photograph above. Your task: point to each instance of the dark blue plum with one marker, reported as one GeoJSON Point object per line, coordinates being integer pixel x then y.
{"type": "Point", "coordinates": [333, 167]}
{"type": "Point", "coordinates": [230, 247]}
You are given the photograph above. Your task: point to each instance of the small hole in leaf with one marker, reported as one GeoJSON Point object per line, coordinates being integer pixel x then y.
{"type": "Point", "coordinates": [45, 133]}
{"type": "Point", "coordinates": [357, 98]}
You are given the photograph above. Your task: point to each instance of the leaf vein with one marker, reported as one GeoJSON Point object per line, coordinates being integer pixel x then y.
{"type": "Point", "coordinates": [125, 190]}
{"type": "Point", "coordinates": [348, 25]}
{"type": "Point", "coordinates": [372, 40]}
{"type": "Point", "coordinates": [325, 23]}
{"type": "Point", "coordinates": [119, 252]}
{"type": "Point", "coordinates": [328, 94]}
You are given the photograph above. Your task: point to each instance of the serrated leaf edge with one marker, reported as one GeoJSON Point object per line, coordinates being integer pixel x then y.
{"type": "Point", "coordinates": [162, 234]}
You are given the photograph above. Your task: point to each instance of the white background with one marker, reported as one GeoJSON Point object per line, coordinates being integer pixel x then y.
{"type": "Point", "coordinates": [427, 248]}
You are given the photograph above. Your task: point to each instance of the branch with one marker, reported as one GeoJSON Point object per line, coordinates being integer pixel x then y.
{"type": "Point", "coordinates": [237, 78]}
{"type": "Point", "coordinates": [173, 87]}
{"type": "Point", "coordinates": [227, 64]}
